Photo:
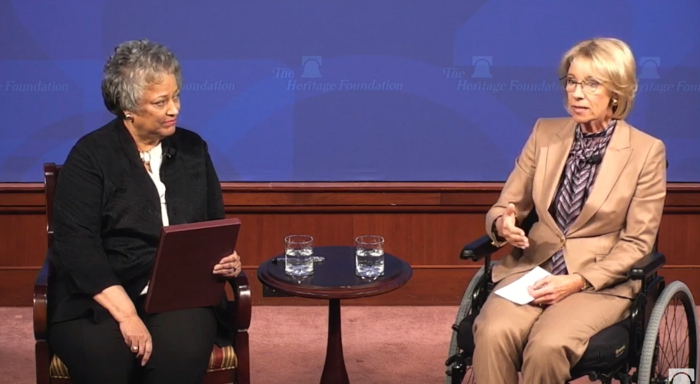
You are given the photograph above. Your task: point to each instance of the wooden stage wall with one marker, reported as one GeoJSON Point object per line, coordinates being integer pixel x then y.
{"type": "Point", "coordinates": [424, 223]}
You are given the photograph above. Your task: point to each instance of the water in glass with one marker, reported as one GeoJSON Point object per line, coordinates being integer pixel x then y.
{"type": "Point", "coordinates": [369, 256]}
{"type": "Point", "coordinates": [299, 261]}
{"type": "Point", "coordinates": [298, 255]}
{"type": "Point", "coordinates": [369, 263]}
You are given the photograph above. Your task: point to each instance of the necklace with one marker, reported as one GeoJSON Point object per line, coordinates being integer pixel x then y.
{"type": "Point", "coordinates": [145, 157]}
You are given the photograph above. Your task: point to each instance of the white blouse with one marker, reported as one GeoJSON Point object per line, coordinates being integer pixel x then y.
{"type": "Point", "coordinates": [156, 159]}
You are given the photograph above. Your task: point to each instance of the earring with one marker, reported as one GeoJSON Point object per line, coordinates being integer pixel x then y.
{"type": "Point", "coordinates": [613, 105]}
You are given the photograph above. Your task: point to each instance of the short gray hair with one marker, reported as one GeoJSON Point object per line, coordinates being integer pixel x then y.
{"type": "Point", "coordinates": [133, 65]}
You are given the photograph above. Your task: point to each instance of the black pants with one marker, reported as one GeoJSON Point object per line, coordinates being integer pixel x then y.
{"type": "Point", "coordinates": [97, 353]}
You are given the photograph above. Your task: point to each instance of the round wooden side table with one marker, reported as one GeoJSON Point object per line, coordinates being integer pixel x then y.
{"type": "Point", "coordinates": [334, 279]}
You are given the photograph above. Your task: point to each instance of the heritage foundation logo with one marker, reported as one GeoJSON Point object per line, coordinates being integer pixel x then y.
{"type": "Point", "coordinates": [651, 81]}
{"type": "Point", "coordinates": [480, 78]}
{"type": "Point", "coordinates": [35, 86]}
{"type": "Point", "coordinates": [207, 85]}
{"type": "Point", "coordinates": [312, 79]}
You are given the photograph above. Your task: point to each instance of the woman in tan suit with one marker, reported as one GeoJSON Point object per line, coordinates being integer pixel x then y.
{"type": "Point", "coordinates": [598, 186]}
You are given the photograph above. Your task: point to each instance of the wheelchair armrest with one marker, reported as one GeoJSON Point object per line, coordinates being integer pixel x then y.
{"type": "Point", "coordinates": [648, 265]}
{"type": "Point", "coordinates": [478, 249]}
{"type": "Point", "coordinates": [40, 303]}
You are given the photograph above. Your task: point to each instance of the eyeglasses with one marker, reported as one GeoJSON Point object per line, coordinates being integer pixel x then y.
{"type": "Point", "coordinates": [587, 86]}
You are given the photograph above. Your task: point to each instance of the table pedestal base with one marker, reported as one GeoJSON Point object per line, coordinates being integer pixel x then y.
{"type": "Point", "coordinates": [334, 371]}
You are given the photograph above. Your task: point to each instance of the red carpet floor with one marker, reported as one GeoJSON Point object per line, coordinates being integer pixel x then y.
{"type": "Point", "coordinates": [382, 345]}
{"type": "Point", "coordinates": [288, 344]}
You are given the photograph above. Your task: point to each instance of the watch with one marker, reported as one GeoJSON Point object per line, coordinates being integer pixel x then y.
{"type": "Point", "coordinates": [586, 284]}
{"type": "Point", "coordinates": [497, 240]}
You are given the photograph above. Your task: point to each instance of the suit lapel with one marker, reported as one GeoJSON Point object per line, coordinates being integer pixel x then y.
{"type": "Point", "coordinates": [554, 160]}
{"type": "Point", "coordinates": [127, 143]}
{"type": "Point", "coordinates": [614, 161]}
{"type": "Point", "coordinates": [135, 167]}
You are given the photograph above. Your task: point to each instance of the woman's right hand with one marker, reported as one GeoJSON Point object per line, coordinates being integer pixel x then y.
{"type": "Point", "coordinates": [137, 337]}
{"type": "Point", "coordinates": [508, 230]}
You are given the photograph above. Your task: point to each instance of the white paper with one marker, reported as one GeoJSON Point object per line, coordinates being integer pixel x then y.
{"type": "Point", "coordinates": [517, 290]}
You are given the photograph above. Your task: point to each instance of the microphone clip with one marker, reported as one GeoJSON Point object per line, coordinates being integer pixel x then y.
{"type": "Point", "coordinates": [595, 159]}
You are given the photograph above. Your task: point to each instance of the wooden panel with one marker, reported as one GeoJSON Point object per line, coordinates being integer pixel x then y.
{"type": "Point", "coordinates": [21, 198]}
{"type": "Point", "coordinates": [424, 223]}
{"type": "Point", "coordinates": [421, 238]}
{"type": "Point", "coordinates": [679, 238]}
{"type": "Point", "coordinates": [22, 239]}
{"type": "Point", "coordinates": [17, 286]}
{"type": "Point", "coordinates": [324, 198]}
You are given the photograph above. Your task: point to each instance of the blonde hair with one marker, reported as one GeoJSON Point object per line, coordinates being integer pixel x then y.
{"type": "Point", "coordinates": [613, 61]}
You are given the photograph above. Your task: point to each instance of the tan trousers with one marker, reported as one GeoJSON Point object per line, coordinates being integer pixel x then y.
{"type": "Point", "coordinates": [546, 343]}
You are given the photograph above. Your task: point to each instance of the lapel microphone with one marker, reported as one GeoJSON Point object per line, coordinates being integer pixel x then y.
{"type": "Point", "coordinates": [170, 152]}
{"type": "Point", "coordinates": [595, 159]}
{"type": "Point", "coordinates": [168, 149]}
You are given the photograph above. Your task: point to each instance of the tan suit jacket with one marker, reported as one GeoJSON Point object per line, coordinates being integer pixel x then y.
{"type": "Point", "coordinates": [619, 221]}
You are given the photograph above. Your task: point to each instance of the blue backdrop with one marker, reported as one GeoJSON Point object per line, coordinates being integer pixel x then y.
{"type": "Point", "coordinates": [376, 90]}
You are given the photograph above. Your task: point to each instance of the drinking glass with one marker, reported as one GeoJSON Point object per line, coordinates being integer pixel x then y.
{"type": "Point", "coordinates": [369, 256]}
{"type": "Point", "coordinates": [298, 259]}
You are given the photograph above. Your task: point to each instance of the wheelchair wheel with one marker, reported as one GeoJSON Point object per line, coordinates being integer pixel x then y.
{"type": "Point", "coordinates": [670, 349]}
{"type": "Point", "coordinates": [465, 308]}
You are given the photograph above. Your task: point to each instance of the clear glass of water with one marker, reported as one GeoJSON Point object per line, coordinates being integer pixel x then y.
{"type": "Point", "coordinates": [298, 255]}
{"type": "Point", "coordinates": [369, 256]}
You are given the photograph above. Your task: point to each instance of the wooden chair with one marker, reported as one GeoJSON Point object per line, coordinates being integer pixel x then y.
{"type": "Point", "coordinates": [226, 365]}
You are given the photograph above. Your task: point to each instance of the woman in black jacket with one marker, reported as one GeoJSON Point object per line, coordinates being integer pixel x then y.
{"type": "Point", "coordinates": [118, 187]}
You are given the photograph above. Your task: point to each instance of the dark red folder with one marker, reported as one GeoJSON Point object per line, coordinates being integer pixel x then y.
{"type": "Point", "coordinates": [182, 277]}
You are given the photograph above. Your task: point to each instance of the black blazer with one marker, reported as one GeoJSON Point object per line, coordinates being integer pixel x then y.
{"type": "Point", "coordinates": [107, 217]}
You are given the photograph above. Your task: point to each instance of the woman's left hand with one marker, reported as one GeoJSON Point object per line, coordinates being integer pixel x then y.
{"type": "Point", "coordinates": [229, 266]}
{"type": "Point", "coordinates": [552, 289]}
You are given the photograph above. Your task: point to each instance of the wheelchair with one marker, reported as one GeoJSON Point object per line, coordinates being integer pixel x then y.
{"type": "Point", "coordinates": [641, 349]}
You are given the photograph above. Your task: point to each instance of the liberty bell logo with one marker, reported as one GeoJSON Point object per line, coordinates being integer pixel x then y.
{"type": "Point", "coordinates": [649, 67]}
{"type": "Point", "coordinates": [482, 67]}
{"type": "Point", "coordinates": [312, 66]}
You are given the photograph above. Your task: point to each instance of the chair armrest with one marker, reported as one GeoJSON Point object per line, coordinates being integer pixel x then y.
{"type": "Point", "coordinates": [478, 249]}
{"type": "Point", "coordinates": [242, 304]}
{"type": "Point", "coordinates": [646, 266]}
{"type": "Point", "coordinates": [40, 305]}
